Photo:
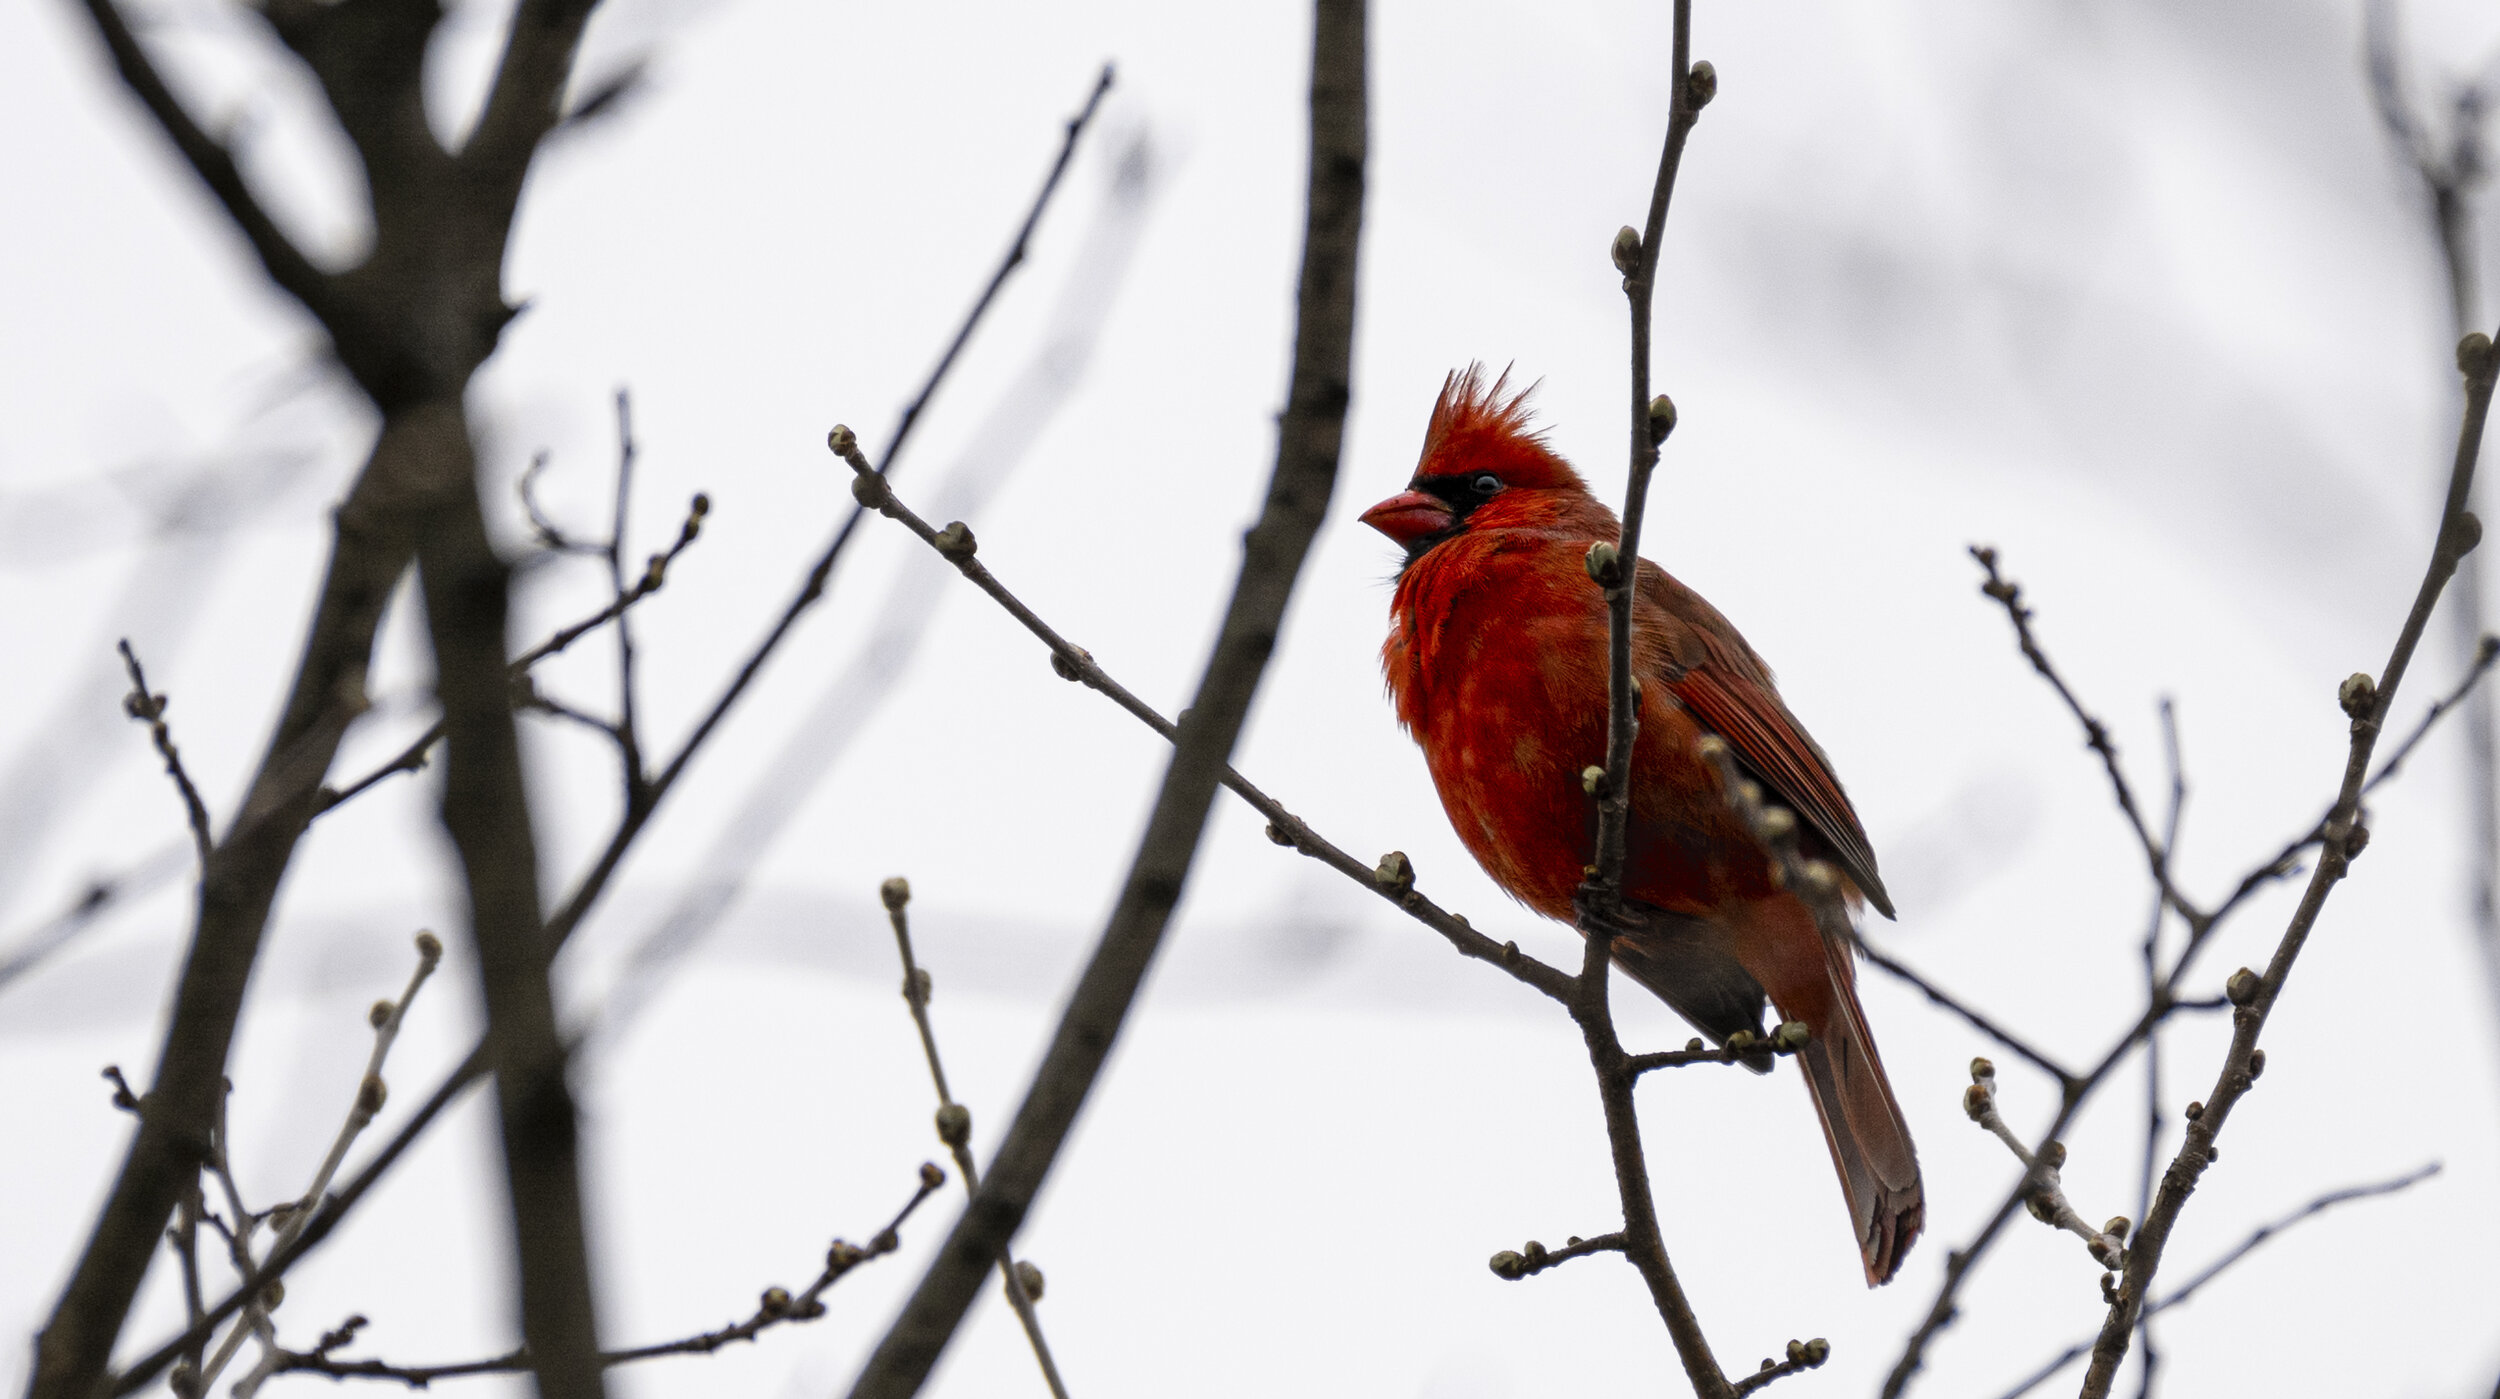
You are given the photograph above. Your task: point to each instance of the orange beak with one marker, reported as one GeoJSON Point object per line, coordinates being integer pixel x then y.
{"type": "Point", "coordinates": [1409, 516]}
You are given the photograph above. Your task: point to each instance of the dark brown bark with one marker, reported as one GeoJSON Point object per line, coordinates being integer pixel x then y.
{"type": "Point", "coordinates": [410, 323]}
{"type": "Point", "coordinates": [1309, 437]}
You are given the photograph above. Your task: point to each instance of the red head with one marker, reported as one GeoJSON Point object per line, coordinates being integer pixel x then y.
{"type": "Point", "coordinates": [1482, 462]}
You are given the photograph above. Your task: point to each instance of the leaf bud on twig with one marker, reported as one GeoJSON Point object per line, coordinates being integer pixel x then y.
{"type": "Point", "coordinates": [370, 1095]}
{"type": "Point", "coordinates": [956, 542]}
{"type": "Point", "coordinates": [1661, 417]}
{"type": "Point", "coordinates": [2256, 1064]}
{"type": "Point", "coordinates": [842, 440]}
{"type": "Point", "coordinates": [932, 1175]}
{"type": "Point", "coordinates": [2195, 1110]}
{"type": "Point", "coordinates": [2464, 532]}
{"type": "Point", "coordinates": [2242, 987]}
{"type": "Point", "coordinates": [1627, 250]}
{"type": "Point", "coordinates": [1593, 780]}
{"type": "Point", "coordinates": [1741, 1041]}
{"type": "Point", "coordinates": [429, 948]}
{"type": "Point", "coordinates": [954, 1124]}
{"type": "Point", "coordinates": [775, 1302]}
{"type": "Point", "coordinates": [871, 491]}
{"type": "Point", "coordinates": [1975, 1102]}
{"type": "Point", "coordinates": [1701, 84]}
{"type": "Point", "coordinates": [2357, 694]}
{"type": "Point", "coordinates": [1982, 1071]}
{"type": "Point", "coordinates": [1790, 1036]}
{"type": "Point", "coordinates": [2474, 353]}
{"type": "Point", "coordinates": [1276, 835]}
{"type": "Point", "coordinates": [1818, 1350]}
{"type": "Point", "coordinates": [1065, 668]}
{"type": "Point", "coordinates": [1508, 1266]}
{"type": "Point", "coordinates": [1605, 564]}
{"type": "Point", "coordinates": [1395, 874]}
{"type": "Point", "coordinates": [380, 1015]}
{"type": "Point", "coordinates": [1031, 1278]}
{"type": "Point", "coordinates": [896, 892]}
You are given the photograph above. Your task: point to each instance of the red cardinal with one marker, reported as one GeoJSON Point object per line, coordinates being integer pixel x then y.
{"type": "Point", "coordinates": [1497, 661]}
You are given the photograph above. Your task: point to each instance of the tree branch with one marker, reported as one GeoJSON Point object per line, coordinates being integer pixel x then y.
{"type": "Point", "coordinates": [2346, 836]}
{"type": "Point", "coordinates": [954, 1128]}
{"type": "Point", "coordinates": [149, 709]}
{"type": "Point", "coordinates": [1600, 898]}
{"type": "Point", "coordinates": [1393, 878]}
{"type": "Point", "coordinates": [486, 811]}
{"type": "Point", "coordinates": [279, 257]}
{"type": "Point", "coordinates": [774, 1308]}
{"type": "Point", "coordinates": [2216, 1268]}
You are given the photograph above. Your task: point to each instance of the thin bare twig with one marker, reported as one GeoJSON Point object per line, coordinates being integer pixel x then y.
{"type": "Point", "coordinates": [954, 1127]}
{"type": "Point", "coordinates": [2009, 594]}
{"type": "Point", "coordinates": [774, 1308]}
{"type": "Point", "coordinates": [2044, 1194]}
{"type": "Point", "coordinates": [1743, 1047]}
{"type": "Point", "coordinates": [654, 577]}
{"type": "Point", "coordinates": [2238, 1251]}
{"type": "Point", "coordinates": [290, 1219]}
{"type": "Point", "coordinates": [1802, 1356]}
{"type": "Point", "coordinates": [1977, 1019]}
{"type": "Point", "coordinates": [1392, 878]}
{"type": "Point", "coordinates": [1615, 566]}
{"type": "Point", "coordinates": [149, 709]}
{"type": "Point", "coordinates": [2486, 651]}
{"type": "Point", "coordinates": [1532, 1258]}
{"type": "Point", "coordinates": [2254, 996]}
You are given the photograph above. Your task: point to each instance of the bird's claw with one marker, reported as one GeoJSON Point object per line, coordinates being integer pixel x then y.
{"type": "Point", "coordinates": [1594, 914]}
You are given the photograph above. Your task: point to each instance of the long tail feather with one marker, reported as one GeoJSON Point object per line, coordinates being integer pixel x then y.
{"type": "Point", "coordinates": [1862, 1125]}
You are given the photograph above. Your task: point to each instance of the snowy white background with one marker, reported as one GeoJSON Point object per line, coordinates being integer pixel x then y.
{"type": "Point", "coordinates": [2135, 291]}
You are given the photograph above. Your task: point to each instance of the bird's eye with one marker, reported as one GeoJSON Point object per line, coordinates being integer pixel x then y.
{"type": "Point", "coordinates": [1487, 484]}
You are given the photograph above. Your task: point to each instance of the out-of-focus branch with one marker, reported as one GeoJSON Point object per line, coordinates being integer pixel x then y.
{"type": "Point", "coordinates": [410, 324]}
{"type": "Point", "coordinates": [285, 263]}
{"type": "Point", "coordinates": [149, 709]}
{"type": "Point", "coordinates": [848, 698]}
{"type": "Point", "coordinates": [1310, 434]}
{"type": "Point", "coordinates": [486, 811]}
{"type": "Point", "coordinates": [101, 896]}
{"type": "Point", "coordinates": [654, 576]}
{"type": "Point", "coordinates": [775, 1307]}
{"type": "Point", "coordinates": [2254, 996]}
{"type": "Point", "coordinates": [954, 1127]}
